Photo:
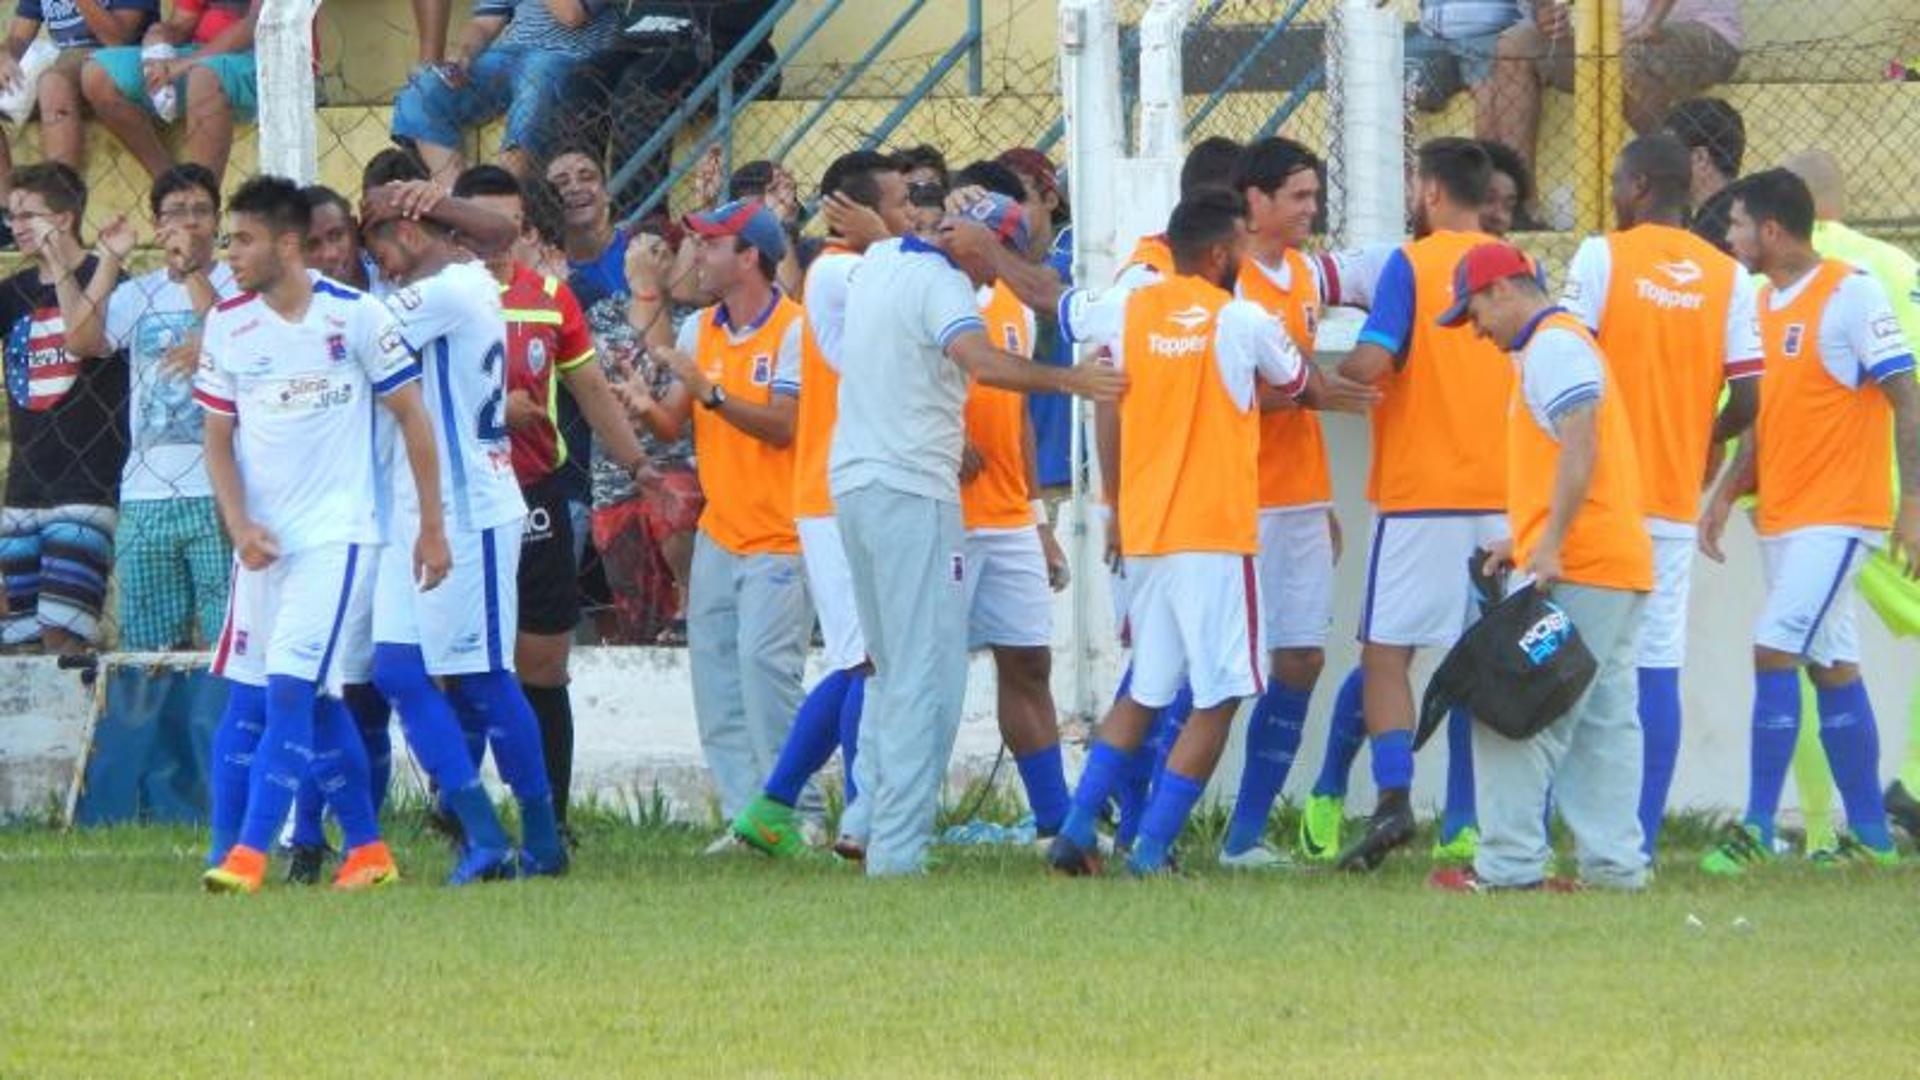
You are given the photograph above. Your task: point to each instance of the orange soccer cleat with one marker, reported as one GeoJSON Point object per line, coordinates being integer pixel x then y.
{"type": "Point", "coordinates": [368, 866]}
{"type": "Point", "coordinates": [241, 871]}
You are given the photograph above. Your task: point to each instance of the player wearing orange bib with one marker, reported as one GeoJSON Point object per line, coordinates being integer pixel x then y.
{"type": "Point", "coordinates": [748, 617]}
{"type": "Point", "coordinates": [1836, 400]}
{"type": "Point", "coordinates": [1280, 179]}
{"type": "Point", "coordinates": [1438, 485]}
{"type": "Point", "coordinates": [1574, 506]}
{"type": "Point", "coordinates": [1187, 512]}
{"type": "Point", "coordinates": [1675, 318]}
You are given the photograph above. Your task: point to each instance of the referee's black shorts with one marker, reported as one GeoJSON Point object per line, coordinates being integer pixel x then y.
{"type": "Point", "coordinates": [549, 592]}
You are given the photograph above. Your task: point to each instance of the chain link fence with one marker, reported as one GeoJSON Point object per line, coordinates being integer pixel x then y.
{"type": "Point", "coordinates": [671, 107]}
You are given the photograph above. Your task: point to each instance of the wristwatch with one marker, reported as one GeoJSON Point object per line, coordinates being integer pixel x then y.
{"type": "Point", "coordinates": [716, 397]}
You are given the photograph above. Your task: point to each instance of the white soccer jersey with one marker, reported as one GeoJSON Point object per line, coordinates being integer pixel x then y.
{"type": "Point", "coordinates": [302, 395]}
{"type": "Point", "coordinates": [453, 321]}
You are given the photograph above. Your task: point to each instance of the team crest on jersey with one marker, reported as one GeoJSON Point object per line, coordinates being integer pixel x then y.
{"type": "Point", "coordinates": [1311, 316]}
{"type": "Point", "coordinates": [536, 355]}
{"type": "Point", "coordinates": [239, 643]}
{"type": "Point", "coordinates": [1790, 341]}
{"type": "Point", "coordinates": [337, 348]}
{"type": "Point", "coordinates": [763, 370]}
{"type": "Point", "coordinates": [957, 568]}
{"type": "Point", "coordinates": [1012, 335]}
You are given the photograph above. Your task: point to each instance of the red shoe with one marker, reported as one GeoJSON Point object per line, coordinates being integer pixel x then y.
{"type": "Point", "coordinates": [1462, 879]}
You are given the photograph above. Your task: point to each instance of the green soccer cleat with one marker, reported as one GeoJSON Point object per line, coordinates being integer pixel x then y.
{"type": "Point", "coordinates": [771, 829]}
{"type": "Point", "coordinates": [1320, 822]}
{"type": "Point", "coordinates": [1460, 850]}
{"type": "Point", "coordinates": [1740, 851]}
{"type": "Point", "coordinates": [1851, 853]}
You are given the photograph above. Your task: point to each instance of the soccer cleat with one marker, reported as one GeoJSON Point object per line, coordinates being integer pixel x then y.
{"type": "Point", "coordinates": [484, 864]}
{"type": "Point", "coordinates": [850, 848]}
{"type": "Point", "coordinates": [1463, 879]}
{"type": "Point", "coordinates": [1320, 823]}
{"type": "Point", "coordinates": [1069, 858]}
{"type": "Point", "coordinates": [771, 828]}
{"type": "Point", "coordinates": [305, 863]}
{"type": "Point", "coordinates": [368, 866]}
{"type": "Point", "coordinates": [724, 844]}
{"type": "Point", "coordinates": [1257, 857]}
{"type": "Point", "coordinates": [1740, 851]}
{"type": "Point", "coordinates": [241, 871]}
{"type": "Point", "coordinates": [533, 868]}
{"type": "Point", "coordinates": [1392, 827]}
{"type": "Point", "coordinates": [1461, 849]}
{"type": "Point", "coordinates": [1850, 853]}
{"type": "Point", "coordinates": [1903, 809]}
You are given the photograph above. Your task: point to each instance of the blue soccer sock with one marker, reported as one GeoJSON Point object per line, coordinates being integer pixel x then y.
{"type": "Point", "coordinates": [512, 730]}
{"type": "Point", "coordinates": [1660, 732]}
{"type": "Point", "coordinates": [1273, 738]}
{"type": "Point", "coordinates": [1458, 813]}
{"type": "Point", "coordinates": [283, 759]}
{"type": "Point", "coordinates": [1776, 727]}
{"type": "Point", "coordinates": [1346, 730]}
{"type": "Point", "coordinates": [850, 709]}
{"type": "Point", "coordinates": [438, 745]}
{"type": "Point", "coordinates": [372, 715]}
{"type": "Point", "coordinates": [309, 814]}
{"type": "Point", "coordinates": [1173, 798]}
{"type": "Point", "coordinates": [341, 769]}
{"type": "Point", "coordinates": [1392, 760]}
{"type": "Point", "coordinates": [1044, 775]}
{"type": "Point", "coordinates": [1106, 764]}
{"type": "Point", "coordinates": [1149, 761]}
{"type": "Point", "coordinates": [811, 741]}
{"type": "Point", "coordinates": [234, 743]}
{"type": "Point", "coordinates": [1851, 737]}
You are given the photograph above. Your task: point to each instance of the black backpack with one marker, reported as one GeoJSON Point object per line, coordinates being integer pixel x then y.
{"type": "Point", "coordinates": [1518, 669]}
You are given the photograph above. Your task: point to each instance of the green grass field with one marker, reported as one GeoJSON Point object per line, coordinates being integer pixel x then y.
{"type": "Point", "coordinates": [651, 961]}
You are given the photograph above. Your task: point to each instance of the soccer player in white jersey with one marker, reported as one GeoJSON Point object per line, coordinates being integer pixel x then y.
{"type": "Point", "coordinates": [286, 377]}
{"type": "Point", "coordinates": [449, 313]}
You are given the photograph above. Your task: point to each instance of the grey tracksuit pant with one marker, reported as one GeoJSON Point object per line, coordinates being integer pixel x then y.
{"type": "Point", "coordinates": [1590, 759]}
{"type": "Point", "coordinates": [748, 624]}
{"type": "Point", "coordinates": [905, 552]}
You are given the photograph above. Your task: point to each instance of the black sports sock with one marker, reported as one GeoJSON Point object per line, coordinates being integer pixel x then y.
{"type": "Point", "coordinates": [553, 706]}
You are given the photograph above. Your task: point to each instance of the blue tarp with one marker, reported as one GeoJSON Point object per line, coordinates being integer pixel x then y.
{"type": "Point", "coordinates": [151, 745]}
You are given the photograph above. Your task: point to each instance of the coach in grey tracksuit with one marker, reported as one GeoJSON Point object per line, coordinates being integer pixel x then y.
{"type": "Point", "coordinates": [912, 336]}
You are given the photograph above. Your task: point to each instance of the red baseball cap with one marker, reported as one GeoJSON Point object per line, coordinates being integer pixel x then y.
{"type": "Point", "coordinates": [1479, 268]}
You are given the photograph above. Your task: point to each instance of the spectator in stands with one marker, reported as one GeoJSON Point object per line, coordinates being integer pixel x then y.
{"type": "Point", "coordinates": [515, 58]}
{"type": "Point", "coordinates": [76, 28]}
{"type": "Point", "coordinates": [542, 245]}
{"type": "Point", "coordinates": [65, 436]}
{"type": "Point", "coordinates": [171, 559]}
{"type": "Point", "coordinates": [210, 76]}
{"type": "Point", "coordinates": [761, 179]}
{"type": "Point", "coordinates": [1716, 135]}
{"type": "Point", "coordinates": [1052, 414]}
{"type": "Point", "coordinates": [1673, 48]}
{"type": "Point", "coordinates": [333, 240]}
{"type": "Point", "coordinates": [1451, 49]}
{"type": "Point", "coordinates": [644, 537]}
{"type": "Point", "coordinates": [1510, 195]}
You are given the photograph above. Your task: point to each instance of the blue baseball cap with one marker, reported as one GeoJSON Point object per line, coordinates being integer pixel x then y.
{"type": "Point", "coordinates": [1004, 217]}
{"type": "Point", "coordinates": [748, 219]}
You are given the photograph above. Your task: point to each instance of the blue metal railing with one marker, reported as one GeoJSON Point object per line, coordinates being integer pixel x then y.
{"type": "Point", "coordinates": [718, 88]}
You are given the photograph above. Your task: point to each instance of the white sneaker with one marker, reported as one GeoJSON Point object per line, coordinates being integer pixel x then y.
{"type": "Point", "coordinates": [724, 845]}
{"type": "Point", "coordinates": [1257, 857]}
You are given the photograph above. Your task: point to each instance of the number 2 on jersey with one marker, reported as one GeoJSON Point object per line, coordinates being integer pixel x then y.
{"type": "Point", "coordinates": [493, 427]}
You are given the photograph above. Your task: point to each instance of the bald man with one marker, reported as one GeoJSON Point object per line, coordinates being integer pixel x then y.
{"type": "Point", "coordinates": [1887, 590]}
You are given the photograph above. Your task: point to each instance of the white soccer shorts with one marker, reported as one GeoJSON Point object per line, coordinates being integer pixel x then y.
{"type": "Point", "coordinates": [1418, 589]}
{"type": "Point", "coordinates": [1296, 577]}
{"type": "Point", "coordinates": [465, 625]}
{"type": "Point", "coordinates": [1810, 607]}
{"type": "Point", "coordinates": [830, 585]}
{"type": "Point", "coordinates": [1196, 619]}
{"type": "Point", "coordinates": [1009, 602]}
{"type": "Point", "coordinates": [297, 616]}
{"type": "Point", "coordinates": [1663, 626]}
